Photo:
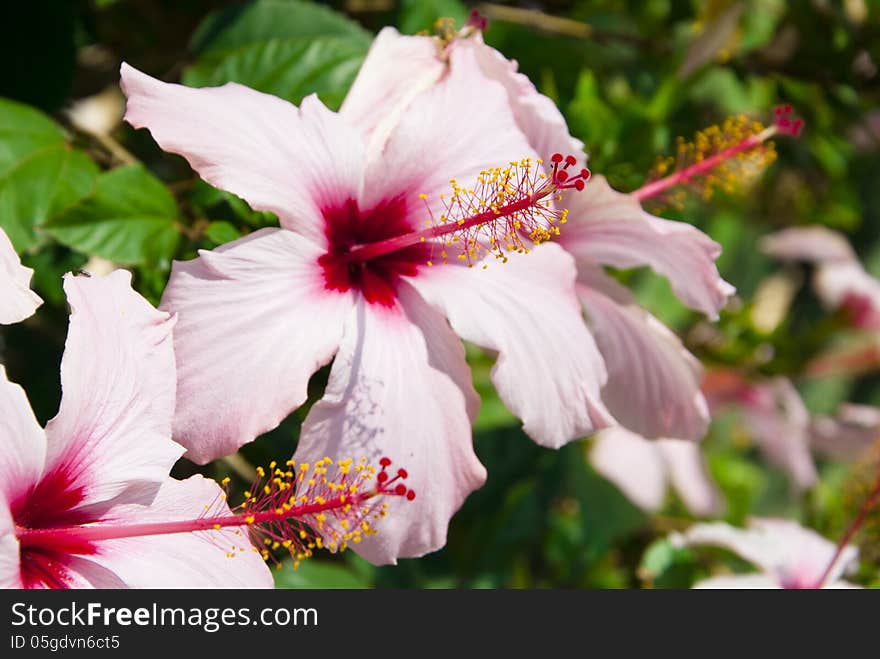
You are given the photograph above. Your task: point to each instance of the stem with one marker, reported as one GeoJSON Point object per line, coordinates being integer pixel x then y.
{"type": "Point", "coordinates": [871, 501]}
{"type": "Point", "coordinates": [654, 188]}
{"type": "Point", "coordinates": [119, 152]}
{"type": "Point", "coordinates": [98, 531]}
{"type": "Point", "coordinates": [537, 19]}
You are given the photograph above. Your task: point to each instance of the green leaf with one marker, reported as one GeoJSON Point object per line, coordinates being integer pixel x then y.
{"type": "Point", "coordinates": [592, 119]}
{"type": "Point", "coordinates": [223, 205]}
{"type": "Point", "coordinates": [606, 514]}
{"type": "Point", "coordinates": [222, 232]}
{"type": "Point", "coordinates": [49, 266]}
{"type": "Point", "coordinates": [237, 27]}
{"type": "Point", "coordinates": [289, 68]}
{"type": "Point", "coordinates": [823, 395]}
{"type": "Point", "coordinates": [493, 413]}
{"type": "Point", "coordinates": [760, 22]}
{"type": "Point", "coordinates": [318, 574]}
{"type": "Point", "coordinates": [666, 566]}
{"type": "Point", "coordinates": [724, 89]}
{"type": "Point", "coordinates": [418, 15]}
{"type": "Point", "coordinates": [129, 219]}
{"type": "Point", "coordinates": [40, 175]}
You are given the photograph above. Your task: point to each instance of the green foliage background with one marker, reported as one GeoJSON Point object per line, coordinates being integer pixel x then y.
{"type": "Point", "coordinates": [629, 75]}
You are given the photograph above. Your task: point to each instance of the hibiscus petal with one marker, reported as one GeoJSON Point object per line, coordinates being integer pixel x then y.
{"type": "Point", "coordinates": [22, 442]}
{"type": "Point", "coordinates": [536, 115]}
{"type": "Point", "coordinates": [17, 300]}
{"type": "Point", "coordinates": [779, 421]}
{"type": "Point", "coordinates": [80, 573]}
{"type": "Point", "coordinates": [437, 138]}
{"type": "Point", "coordinates": [653, 381]}
{"type": "Point", "coordinates": [280, 158]}
{"type": "Point", "coordinates": [113, 429]}
{"type": "Point", "coordinates": [255, 322]}
{"type": "Point", "coordinates": [397, 69]}
{"type": "Point", "coordinates": [549, 371]}
{"type": "Point", "coordinates": [608, 227]}
{"type": "Point", "coordinates": [815, 244]}
{"type": "Point", "coordinates": [200, 559]}
{"type": "Point", "coordinates": [633, 464]}
{"type": "Point", "coordinates": [689, 473]}
{"type": "Point", "coordinates": [395, 391]}
{"type": "Point", "coordinates": [10, 569]}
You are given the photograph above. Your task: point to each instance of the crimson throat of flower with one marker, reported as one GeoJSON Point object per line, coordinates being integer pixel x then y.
{"type": "Point", "coordinates": [508, 209]}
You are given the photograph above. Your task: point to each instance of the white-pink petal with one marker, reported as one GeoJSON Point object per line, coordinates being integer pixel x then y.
{"type": "Point", "coordinates": [292, 161]}
{"type": "Point", "coordinates": [633, 464]}
{"type": "Point", "coordinates": [22, 442]}
{"type": "Point", "coordinates": [643, 469]}
{"type": "Point", "coordinates": [395, 391]}
{"type": "Point", "coordinates": [549, 371]}
{"type": "Point", "coordinates": [397, 69]}
{"type": "Point", "coordinates": [653, 381]}
{"type": "Point", "coordinates": [777, 418]}
{"type": "Point", "coordinates": [689, 474]}
{"type": "Point", "coordinates": [222, 558]}
{"type": "Point", "coordinates": [816, 244]}
{"type": "Point", "coordinates": [535, 114]}
{"type": "Point", "coordinates": [609, 227]}
{"type": "Point", "coordinates": [113, 430]}
{"type": "Point", "coordinates": [10, 563]}
{"type": "Point", "coordinates": [17, 300]}
{"type": "Point", "coordinates": [254, 323]}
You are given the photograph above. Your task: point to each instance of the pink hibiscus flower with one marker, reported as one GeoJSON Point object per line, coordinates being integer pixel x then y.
{"type": "Point", "coordinates": [788, 555]}
{"type": "Point", "coordinates": [653, 385]}
{"type": "Point", "coordinates": [17, 300]}
{"type": "Point", "coordinates": [353, 272]}
{"type": "Point", "coordinates": [840, 280]}
{"type": "Point", "coordinates": [69, 495]}
{"type": "Point", "coordinates": [775, 416]}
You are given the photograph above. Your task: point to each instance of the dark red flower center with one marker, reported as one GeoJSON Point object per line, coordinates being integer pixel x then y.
{"type": "Point", "coordinates": [50, 504]}
{"type": "Point", "coordinates": [347, 226]}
